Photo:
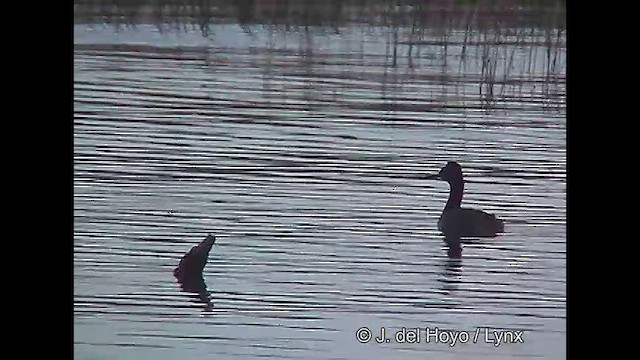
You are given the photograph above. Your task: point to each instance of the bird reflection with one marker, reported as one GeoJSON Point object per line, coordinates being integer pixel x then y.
{"type": "Point", "coordinates": [196, 289]}
{"type": "Point", "coordinates": [454, 248]}
{"type": "Point", "coordinates": [189, 272]}
{"type": "Point", "coordinates": [453, 264]}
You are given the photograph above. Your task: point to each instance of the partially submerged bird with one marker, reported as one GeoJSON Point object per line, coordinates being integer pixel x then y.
{"type": "Point", "coordinates": [193, 262]}
{"type": "Point", "coordinates": [456, 221]}
{"type": "Point", "coordinates": [189, 271]}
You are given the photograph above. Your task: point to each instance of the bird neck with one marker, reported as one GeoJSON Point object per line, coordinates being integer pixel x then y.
{"type": "Point", "coordinates": [455, 194]}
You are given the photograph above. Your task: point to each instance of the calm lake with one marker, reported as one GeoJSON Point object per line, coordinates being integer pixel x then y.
{"type": "Point", "coordinates": [301, 149]}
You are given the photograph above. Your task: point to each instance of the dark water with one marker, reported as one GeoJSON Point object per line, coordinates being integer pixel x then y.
{"type": "Point", "coordinates": [299, 150]}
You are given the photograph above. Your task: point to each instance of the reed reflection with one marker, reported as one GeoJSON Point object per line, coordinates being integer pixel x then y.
{"type": "Point", "coordinates": [491, 52]}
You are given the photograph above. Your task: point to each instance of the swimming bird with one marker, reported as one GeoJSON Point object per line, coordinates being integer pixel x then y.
{"type": "Point", "coordinates": [189, 271]}
{"type": "Point", "coordinates": [456, 221]}
{"type": "Point", "coordinates": [193, 262]}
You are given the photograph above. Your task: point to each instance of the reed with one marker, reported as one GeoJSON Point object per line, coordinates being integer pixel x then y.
{"type": "Point", "coordinates": [440, 30]}
{"type": "Point", "coordinates": [524, 13]}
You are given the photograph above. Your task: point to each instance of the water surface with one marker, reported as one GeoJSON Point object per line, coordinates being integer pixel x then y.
{"type": "Point", "coordinates": [300, 151]}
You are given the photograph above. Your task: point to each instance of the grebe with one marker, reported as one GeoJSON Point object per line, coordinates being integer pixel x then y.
{"type": "Point", "coordinates": [460, 222]}
{"type": "Point", "coordinates": [189, 271]}
{"type": "Point", "coordinates": [193, 262]}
